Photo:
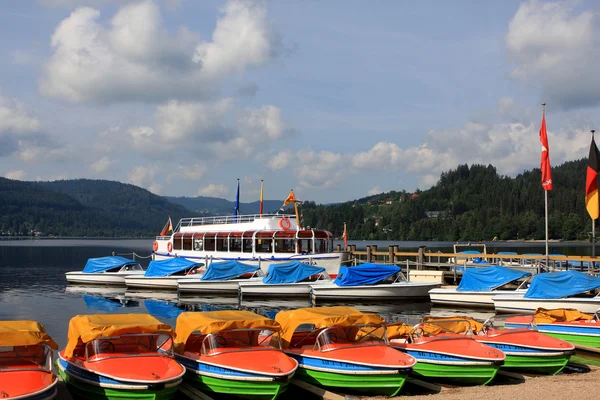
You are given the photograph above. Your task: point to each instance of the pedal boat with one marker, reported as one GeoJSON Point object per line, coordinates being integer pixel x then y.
{"type": "Point", "coordinates": [26, 361]}
{"type": "Point", "coordinates": [119, 356]}
{"type": "Point", "coordinates": [163, 274]}
{"type": "Point", "coordinates": [342, 348]}
{"type": "Point", "coordinates": [233, 353]}
{"type": "Point", "coordinates": [109, 270]}
{"type": "Point", "coordinates": [446, 356]}
{"type": "Point", "coordinates": [220, 278]}
{"type": "Point", "coordinates": [525, 350]}
{"type": "Point", "coordinates": [567, 324]}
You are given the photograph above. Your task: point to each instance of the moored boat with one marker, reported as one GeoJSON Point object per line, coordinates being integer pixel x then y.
{"type": "Point", "coordinates": [119, 356]}
{"type": "Point", "coordinates": [283, 280]}
{"type": "Point", "coordinates": [567, 324]}
{"type": "Point", "coordinates": [372, 282]}
{"type": "Point", "coordinates": [340, 347]}
{"type": "Point", "coordinates": [444, 355]}
{"type": "Point", "coordinates": [221, 278]}
{"type": "Point", "coordinates": [478, 285]}
{"type": "Point", "coordinates": [564, 289]}
{"type": "Point", "coordinates": [525, 350]}
{"type": "Point", "coordinates": [163, 274]}
{"type": "Point", "coordinates": [26, 361]}
{"type": "Point", "coordinates": [234, 353]}
{"type": "Point", "coordinates": [109, 270]}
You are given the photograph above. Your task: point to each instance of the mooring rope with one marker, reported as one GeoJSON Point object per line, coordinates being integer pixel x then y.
{"type": "Point", "coordinates": [131, 254]}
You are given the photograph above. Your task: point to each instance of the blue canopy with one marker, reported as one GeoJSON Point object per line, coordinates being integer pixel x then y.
{"type": "Point", "coordinates": [102, 264]}
{"type": "Point", "coordinates": [170, 266]}
{"type": "Point", "coordinates": [365, 274]}
{"type": "Point", "coordinates": [486, 279]}
{"type": "Point", "coordinates": [290, 272]}
{"type": "Point", "coordinates": [221, 271]}
{"type": "Point", "coordinates": [555, 285]}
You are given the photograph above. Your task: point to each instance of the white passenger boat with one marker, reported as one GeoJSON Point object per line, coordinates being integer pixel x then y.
{"type": "Point", "coordinates": [478, 286]}
{"type": "Point", "coordinates": [251, 239]}
{"type": "Point", "coordinates": [564, 289]}
{"type": "Point", "coordinates": [163, 274]}
{"type": "Point", "coordinates": [109, 270]}
{"type": "Point", "coordinates": [290, 279]}
{"type": "Point", "coordinates": [221, 278]}
{"type": "Point", "coordinates": [371, 282]}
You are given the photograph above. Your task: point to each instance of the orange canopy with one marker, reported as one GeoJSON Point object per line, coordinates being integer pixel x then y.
{"type": "Point", "coordinates": [86, 328]}
{"type": "Point", "coordinates": [24, 333]}
{"type": "Point", "coordinates": [541, 315]}
{"type": "Point", "coordinates": [398, 330]}
{"type": "Point", "coordinates": [217, 321]}
{"type": "Point", "coordinates": [322, 317]}
{"type": "Point", "coordinates": [457, 324]}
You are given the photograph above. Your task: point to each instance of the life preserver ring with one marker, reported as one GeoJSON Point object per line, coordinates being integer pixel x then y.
{"type": "Point", "coordinates": [155, 246]}
{"type": "Point", "coordinates": [169, 247]}
{"type": "Point", "coordinates": [285, 224]}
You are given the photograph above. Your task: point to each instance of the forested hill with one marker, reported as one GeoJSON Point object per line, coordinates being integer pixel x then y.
{"type": "Point", "coordinates": [468, 203]}
{"type": "Point", "coordinates": [203, 205]}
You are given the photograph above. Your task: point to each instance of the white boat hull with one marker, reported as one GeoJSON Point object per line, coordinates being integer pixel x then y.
{"type": "Point", "coordinates": [403, 290]}
{"type": "Point", "coordinates": [100, 278]}
{"type": "Point", "coordinates": [251, 289]}
{"type": "Point", "coordinates": [518, 303]}
{"type": "Point", "coordinates": [453, 297]}
{"type": "Point", "coordinates": [152, 282]}
{"type": "Point", "coordinates": [195, 285]}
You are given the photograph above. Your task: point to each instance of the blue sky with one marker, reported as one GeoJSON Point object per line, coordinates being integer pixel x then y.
{"type": "Point", "coordinates": [335, 99]}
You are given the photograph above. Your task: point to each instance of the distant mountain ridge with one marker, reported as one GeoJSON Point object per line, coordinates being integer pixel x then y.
{"type": "Point", "coordinates": [215, 206]}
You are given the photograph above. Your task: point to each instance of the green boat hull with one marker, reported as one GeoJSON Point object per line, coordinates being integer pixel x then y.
{"type": "Point", "coordinates": [551, 365]}
{"type": "Point", "coordinates": [82, 390]}
{"type": "Point", "coordinates": [456, 374]}
{"type": "Point", "coordinates": [582, 340]}
{"type": "Point", "coordinates": [383, 384]}
{"type": "Point", "coordinates": [257, 390]}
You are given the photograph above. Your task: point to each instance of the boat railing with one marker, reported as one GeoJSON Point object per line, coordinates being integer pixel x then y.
{"type": "Point", "coordinates": [158, 344]}
{"type": "Point", "coordinates": [228, 219]}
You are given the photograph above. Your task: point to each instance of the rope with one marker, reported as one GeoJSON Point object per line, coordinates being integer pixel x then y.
{"type": "Point", "coordinates": [131, 254]}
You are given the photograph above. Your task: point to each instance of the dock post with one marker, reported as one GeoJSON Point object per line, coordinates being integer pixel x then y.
{"type": "Point", "coordinates": [369, 253]}
{"type": "Point", "coordinates": [421, 258]}
{"type": "Point", "coordinates": [396, 251]}
{"type": "Point", "coordinates": [391, 257]}
{"type": "Point", "coordinates": [339, 248]}
{"type": "Point", "coordinates": [373, 251]}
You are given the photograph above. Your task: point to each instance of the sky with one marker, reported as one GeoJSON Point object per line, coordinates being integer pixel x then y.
{"type": "Point", "coordinates": [334, 99]}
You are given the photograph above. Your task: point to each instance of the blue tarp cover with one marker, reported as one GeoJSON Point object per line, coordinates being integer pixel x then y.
{"type": "Point", "coordinates": [365, 274]}
{"type": "Point", "coordinates": [486, 279]}
{"type": "Point", "coordinates": [170, 266]}
{"type": "Point", "coordinates": [555, 285]}
{"type": "Point", "coordinates": [106, 263]}
{"type": "Point", "coordinates": [221, 271]}
{"type": "Point", "coordinates": [290, 272]}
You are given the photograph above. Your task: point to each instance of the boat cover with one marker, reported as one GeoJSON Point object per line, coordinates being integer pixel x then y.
{"type": "Point", "coordinates": [489, 278]}
{"type": "Point", "coordinates": [556, 285]}
{"type": "Point", "coordinates": [365, 274]}
{"type": "Point", "coordinates": [162, 309]}
{"type": "Point", "coordinates": [541, 315]}
{"type": "Point", "coordinates": [456, 324]}
{"type": "Point", "coordinates": [86, 328]}
{"type": "Point", "coordinates": [170, 266]}
{"type": "Point", "coordinates": [102, 264]}
{"type": "Point", "coordinates": [217, 321]}
{"type": "Point", "coordinates": [322, 317]}
{"type": "Point", "coordinates": [221, 271]}
{"type": "Point", "coordinates": [290, 272]}
{"type": "Point", "coordinates": [24, 333]}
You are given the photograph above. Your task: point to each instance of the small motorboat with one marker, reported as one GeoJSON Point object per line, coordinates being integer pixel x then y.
{"type": "Point", "coordinates": [478, 286]}
{"type": "Point", "coordinates": [26, 361]}
{"type": "Point", "coordinates": [525, 350]}
{"type": "Point", "coordinates": [444, 355]}
{"type": "Point", "coordinates": [340, 347]}
{"type": "Point", "coordinates": [109, 270]}
{"type": "Point", "coordinates": [163, 274]}
{"type": "Point", "coordinates": [564, 289]}
{"type": "Point", "coordinates": [567, 324]}
{"type": "Point", "coordinates": [220, 278]}
{"type": "Point", "coordinates": [118, 356]}
{"type": "Point", "coordinates": [290, 279]}
{"type": "Point", "coordinates": [234, 353]}
{"type": "Point", "coordinates": [372, 282]}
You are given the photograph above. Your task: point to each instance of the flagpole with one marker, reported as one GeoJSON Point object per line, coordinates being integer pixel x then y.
{"type": "Point", "coordinates": [545, 204]}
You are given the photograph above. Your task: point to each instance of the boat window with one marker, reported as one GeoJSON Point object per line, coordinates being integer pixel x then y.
{"type": "Point", "coordinates": [129, 345]}
{"type": "Point", "coordinates": [350, 336]}
{"type": "Point", "coordinates": [235, 244]}
{"type": "Point", "coordinates": [221, 244]}
{"type": "Point", "coordinates": [198, 244]}
{"type": "Point", "coordinates": [284, 245]}
{"type": "Point", "coordinates": [233, 340]}
{"type": "Point", "coordinates": [33, 357]}
{"type": "Point", "coordinates": [187, 243]}
{"type": "Point", "coordinates": [264, 245]}
{"type": "Point", "coordinates": [247, 243]}
{"type": "Point", "coordinates": [132, 267]}
{"type": "Point", "coordinates": [321, 246]}
{"type": "Point", "coordinates": [209, 243]}
{"type": "Point", "coordinates": [177, 243]}
{"type": "Point", "coordinates": [304, 246]}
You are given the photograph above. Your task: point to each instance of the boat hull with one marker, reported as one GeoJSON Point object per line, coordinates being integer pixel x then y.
{"type": "Point", "coordinates": [456, 374]}
{"type": "Point", "coordinates": [517, 303]}
{"type": "Point", "coordinates": [453, 297]}
{"type": "Point", "coordinates": [230, 287]}
{"type": "Point", "coordinates": [397, 291]}
{"type": "Point", "coordinates": [259, 289]}
{"type": "Point", "coordinates": [28, 385]}
{"type": "Point", "coordinates": [102, 278]}
{"type": "Point", "coordinates": [583, 334]}
{"type": "Point", "coordinates": [156, 283]}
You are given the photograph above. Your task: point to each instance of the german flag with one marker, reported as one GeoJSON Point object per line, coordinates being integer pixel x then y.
{"type": "Point", "coordinates": [591, 182]}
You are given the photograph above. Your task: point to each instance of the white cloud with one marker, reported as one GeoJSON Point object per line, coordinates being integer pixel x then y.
{"type": "Point", "coordinates": [375, 190]}
{"type": "Point", "coordinates": [144, 176]}
{"type": "Point", "coordinates": [262, 122]}
{"type": "Point", "coordinates": [320, 170]}
{"type": "Point", "coordinates": [554, 45]}
{"type": "Point", "coordinates": [187, 172]}
{"type": "Point", "coordinates": [15, 119]}
{"type": "Point", "coordinates": [102, 164]}
{"type": "Point", "coordinates": [213, 190]}
{"type": "Point", "coordinates": [33, 153]}
{"type": "Point", "coordinates": [280, 160]}
{"type": "Point", "coordinates": [18, 175]}
{"type": "Point", "coordinates": [134, 58]}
